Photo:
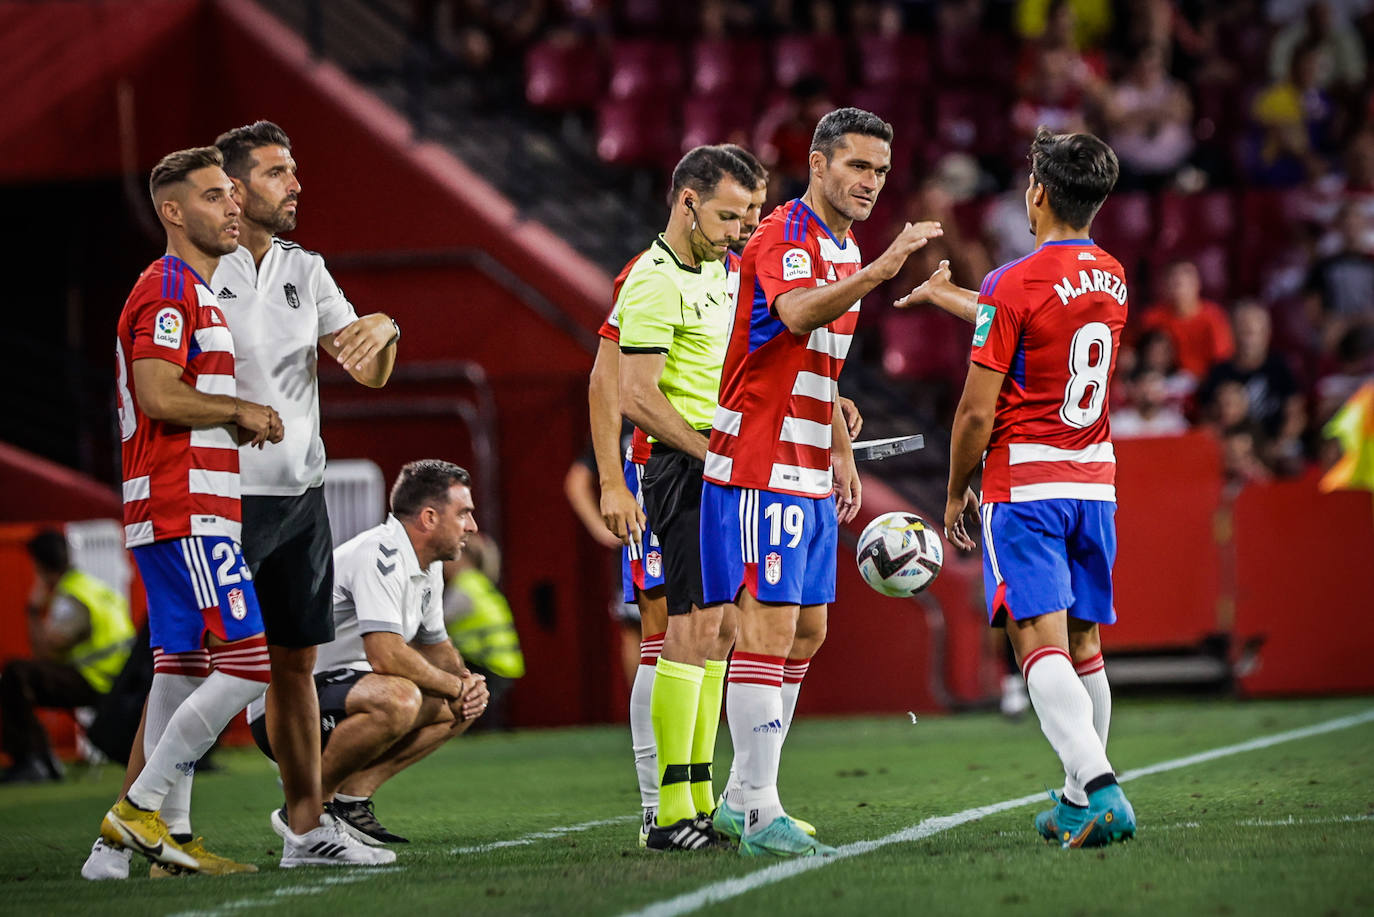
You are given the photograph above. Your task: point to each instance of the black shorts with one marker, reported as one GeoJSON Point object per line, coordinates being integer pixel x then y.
{"type": "Point", "coordinates": [332, 687]}
{"type": "Point", "coordinates": [672, 500]}
{"type": "Point", "coordinates": [289, 548]}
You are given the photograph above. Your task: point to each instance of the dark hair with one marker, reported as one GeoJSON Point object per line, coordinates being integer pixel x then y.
{"type": "Point", "coordinates": [831, 129]}
{"type": "Point", "coordinates": [238, 145]}
{"type": "Point", "coordinates": [175, 167]}
{"type": "Point", "coordinates": [425, 483]}
{"type": "Point", "coordinates": [703, 169]}
{"type": "Point", "coordinates": [1078, 171]}
{"type": "Point", "coordinates": [49, 551]}
{"type": "Point", "coordinates": [750, 160]}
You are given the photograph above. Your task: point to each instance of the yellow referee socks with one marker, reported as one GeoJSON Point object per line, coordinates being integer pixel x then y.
{"type": "Point", "coordinates": [704, 738]}
{"type": "Point", "coordinates": [673, 708]}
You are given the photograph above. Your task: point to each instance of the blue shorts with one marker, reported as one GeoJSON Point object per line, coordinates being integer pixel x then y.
{"type": "Point", "coordinates": [641, 565]}
{"type": "Point", "coordinates": [194, 585]}
{"type": "Point", "coordinates": [1049, 555]}
{"type": "Point", "coordinates": [781, 547]}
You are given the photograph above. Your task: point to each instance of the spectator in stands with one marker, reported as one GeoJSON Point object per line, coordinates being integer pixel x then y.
{"type": "Point", "coordinates": [1354, 367]}
{"type": "Point", "coordinates": [1056, 95]}
{"type": "Point", "coordinates": [1293, 125]}
{"type": "Point", "coordinates": [80, 634]}
{"type": "Point", "coordinates": [1149, 121]}
{"type": "Point", "coordinates": [1341, 286]}
{"type": "Point", "coordinates": [1149, 411]}
{"type": "Point", "coordinates": [1274, 399]}
{"type": "Point", "coordinates": [1340, 50]}
{"type": "Point", "coordinates": [1085, 23]}
{"type": "Point", "coordinates": [1155, 351]}
{"type": "Point", "coordinates": [1241, 438]}
{"type": "Point", "coordinates": [1197, 327]}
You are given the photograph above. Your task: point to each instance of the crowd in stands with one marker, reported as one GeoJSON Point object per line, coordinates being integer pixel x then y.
{"type": "Point", "coordinates": [1245, 129]}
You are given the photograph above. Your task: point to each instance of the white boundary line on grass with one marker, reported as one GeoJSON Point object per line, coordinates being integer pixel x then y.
{"type": "Point", "coordinates": [733, 888]}
{"type": "Point", "coordinates": [547, 834]}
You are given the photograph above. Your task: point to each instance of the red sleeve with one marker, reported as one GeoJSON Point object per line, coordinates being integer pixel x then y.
{"type": "Point", "coordinates": [1223, 344]}
{"type": "Point", "coordinates": [781, 266]}
{"type": "Point", "coordinates": [997, 327]}
{"type": "Point", "coordinates": [161, 330]}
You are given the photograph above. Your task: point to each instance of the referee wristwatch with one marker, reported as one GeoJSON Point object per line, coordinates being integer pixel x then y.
{"type": "Point", "coordinates": [397, 336]}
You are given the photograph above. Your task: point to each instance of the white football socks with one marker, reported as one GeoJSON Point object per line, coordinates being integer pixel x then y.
{"type": "Point", "coordinates": [167, 693]}
{"type": "Point", "coordinates": [190, 732]}
{"type": "Point", "coordinates": [1093, 674]}
{"type": "Point", "coordinates": [754, 707]}
{"type": "Point", "coordinates": [642, 734]}
{"type": "Point", "coordinates": [1066, 714]}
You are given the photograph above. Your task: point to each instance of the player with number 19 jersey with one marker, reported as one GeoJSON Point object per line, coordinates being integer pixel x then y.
{"type": "Point", "coordinates": [1052, 322]}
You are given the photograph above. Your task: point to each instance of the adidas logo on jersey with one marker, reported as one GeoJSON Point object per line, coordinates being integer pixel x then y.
{"type": "Point", "coordinates": [226, 293]}
{"type": "Point", "coordinates": [774, 727]}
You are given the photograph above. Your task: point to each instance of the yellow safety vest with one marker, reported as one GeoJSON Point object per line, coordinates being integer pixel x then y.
{"type": "Point", "coordinates": [486, 636]}
{"type": "Point", "coordinates": [101, 656]}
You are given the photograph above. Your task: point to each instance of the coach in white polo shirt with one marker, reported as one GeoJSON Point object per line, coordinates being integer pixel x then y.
{"type": "Point", "coordinates": [282, 305]}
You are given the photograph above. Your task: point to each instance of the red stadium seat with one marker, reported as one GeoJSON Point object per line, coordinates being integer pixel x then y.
{"type": "Point", "coordinates": [900, 60]}
{"type": "Point", "coordinates": [1125, 227]}
{"type": "Point", "coordinates": [563, 74]}
{"type": "Point", "coordinates": [974, 121]}
{"type": "Point", "coordinates": [796, 56]}
{"type": "Point", "coordinates": [738, 67]}
{"type": "Point", "coordinates": [642, 68]}
{"type": "Point", "coordinates": [637, 132]}
{"type": "Point", "coordinates": [973, 59]}
{"type": "Point", "coordinates": [717, 119]}
{"type": "Point", "coordinates": [1195, 220]}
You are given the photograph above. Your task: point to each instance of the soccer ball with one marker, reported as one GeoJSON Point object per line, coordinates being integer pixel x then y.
{"type": "Point", "coordinates": [900, 554]}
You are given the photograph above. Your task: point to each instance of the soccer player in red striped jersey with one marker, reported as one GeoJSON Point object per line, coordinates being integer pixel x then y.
{"type": "Point", "coordinates": [181, 426]}
{"type": "Point", "coordinates": [1034, 412]}
{"type": "Point", "coordinates": [769, 511]}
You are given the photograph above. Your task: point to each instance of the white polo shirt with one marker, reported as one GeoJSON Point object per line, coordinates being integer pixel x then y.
{"type": "Point", "coordinates": [379, 586]}
{"type": "Point", "coordinates": [278, 312]}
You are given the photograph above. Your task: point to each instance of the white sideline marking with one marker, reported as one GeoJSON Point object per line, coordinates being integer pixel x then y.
{"type": "Point", "coordinates": [288, 891]}
{"type": "Point", "coordinates": [548, 834]}
{"type": "Point", "coordinates": [733, 888]}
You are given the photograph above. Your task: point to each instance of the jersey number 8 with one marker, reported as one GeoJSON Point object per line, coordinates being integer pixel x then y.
{"type": "Point", "coordinates": [1090, 361]}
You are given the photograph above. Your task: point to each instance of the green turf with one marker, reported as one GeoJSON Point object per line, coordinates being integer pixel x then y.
{"type": "Point", "coordinates": [1283, 830]}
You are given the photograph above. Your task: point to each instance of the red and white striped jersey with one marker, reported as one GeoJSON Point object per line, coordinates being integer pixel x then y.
{"type": "Point", "coordinates": [772, 429]}
{"type": "Point", "coordinates": [610, 330]}
{"type": "Point", "coordinates": [1052, 322]}
{"type": "Point", "coordinates": [178, 481]}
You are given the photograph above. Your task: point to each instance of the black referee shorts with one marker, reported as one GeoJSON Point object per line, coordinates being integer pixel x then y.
{"type": "Point", "coordinates": [672, 501]}
{"type": "Point", "coordinates": [288, 546]}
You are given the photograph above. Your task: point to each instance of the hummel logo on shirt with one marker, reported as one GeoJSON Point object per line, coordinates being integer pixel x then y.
{"type": "Point", "coordinates": [226, 293]}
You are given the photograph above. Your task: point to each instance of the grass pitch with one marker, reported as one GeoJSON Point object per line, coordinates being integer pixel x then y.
{"type": "Point", "coordinates": [543, 823]}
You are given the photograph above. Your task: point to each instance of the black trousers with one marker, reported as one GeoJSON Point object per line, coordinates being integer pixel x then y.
{"type": "Point", "coordinates": [30, 683]}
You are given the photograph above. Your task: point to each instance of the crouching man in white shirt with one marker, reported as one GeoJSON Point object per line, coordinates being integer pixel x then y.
{"type": "Point", "coordinates": [391, 686]}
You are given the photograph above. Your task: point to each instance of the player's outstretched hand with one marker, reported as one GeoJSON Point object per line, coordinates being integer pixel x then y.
{"type": "Point", "coordinates": [849, 490]}
{"type": "Point", "coordinates": [475, 696]}
{"type": "Point", "coordinates": [258, 423]}
{"type": "Point", "coordinates": [913, 236]}
{"type": "Point", "coordinates": [622, 515]}
{"type": "Point", "coordinates": [853, 420]}
{"type": "Point", "coordinates": [935, 285]}
{"type": "Point", "coordinates": [363, 339]}
{"type": "Point", "coordinates": [960, 512]}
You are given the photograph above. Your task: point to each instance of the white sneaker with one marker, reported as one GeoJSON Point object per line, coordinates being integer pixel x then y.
{"type": "Point", "coordinates": [330, 845]}
{"type": "Point", "coordinates": [106, 862]}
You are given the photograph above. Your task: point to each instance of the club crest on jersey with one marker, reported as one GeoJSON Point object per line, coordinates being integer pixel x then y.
{"type": "Point", "coordinates": [982, 323]}
{"type": "Point", "coordinates": [167, 328]}
{"type": "Point", "coordinates": [772, 568]}
{"type": "Point", "coordinates": [653, 563]}
{"type": "Point", "coordinates": [796, 263]}
{"type": "Point", "coordinates": [237, 606]}
{"type": "Point", "coordinates": [292, 299]}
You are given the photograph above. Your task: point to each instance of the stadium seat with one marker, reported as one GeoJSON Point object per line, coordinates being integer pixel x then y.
{"type": "Point", "coordinates": [1125, 227]}
{"type": "Point", "coordinates": [1195, 220]}
{"type": "Point", "coordinates": [644, 68]}
{"type": "Point", "coordinates": [717, 119]}
{"type": "Point", "coordinates": [720, 67]}
{"type": "Point", "coordinates": [563, 75]}
{"type": "Point", "coordinates": [974, 59]}
{"type": "Point", "coordinates": [897, 61]}
{"type": "Point", "coordinates": [637, 132]}
{"type": "Point", "coordinates": [973, 121]}
{"type": "Point", "coordinates": [825, 56]}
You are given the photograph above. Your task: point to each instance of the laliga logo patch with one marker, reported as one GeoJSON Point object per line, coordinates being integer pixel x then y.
{"type": "Point", "coordinates": [772, 568]}
{"type": "Point", "coordinates": [796, 263]}
{"type": "Point", "coordinates": [237, 606]}
{"type": "Point", "coordinates": [653, 563]}
{"type": "Point", "coordinates": [167, 328]}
